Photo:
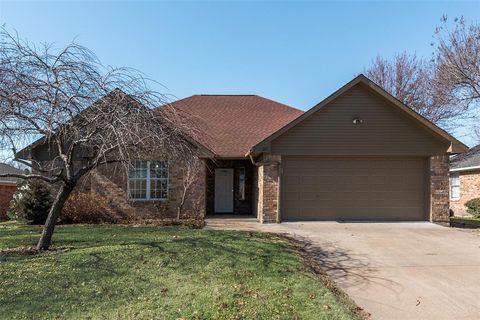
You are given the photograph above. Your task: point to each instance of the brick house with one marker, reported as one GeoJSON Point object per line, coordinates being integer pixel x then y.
{"type": "Point", "coordinates": [464, 180]}
{"type": "Point", "coordinates": [360, 154]}
{"type": "Point", "coordinates": [8, 186]}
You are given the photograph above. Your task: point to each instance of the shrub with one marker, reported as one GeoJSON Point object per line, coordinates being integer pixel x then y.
{"type": "Point", "coordinates": [88, 207]}
{"type": "Point", "coordinates": [31, 202]}
{"type": "Point", "coordinates": [473, 207]}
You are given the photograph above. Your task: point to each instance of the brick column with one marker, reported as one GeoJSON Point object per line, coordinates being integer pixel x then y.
{"type": "Point", "coordinates": [268, 179]}
{"type": "Point", "coordinates": [439, 188]}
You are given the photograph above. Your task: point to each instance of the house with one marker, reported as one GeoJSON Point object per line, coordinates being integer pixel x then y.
{"type": "Point", "coordinates": [360, 154]}
{"type": "Point", "coordinates": [464, 180]}
{"type": "Point", "coordinates": [8, 186]}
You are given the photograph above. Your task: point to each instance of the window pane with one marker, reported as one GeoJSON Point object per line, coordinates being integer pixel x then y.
{"type": "Point", "coordinates": [158, 169]}
{"type": "Point", "coordinates": [158, 188]}
{"type": "Point", "coordinates": [455, 192]}
{"type": "Point", "coordinates": [454, 185]}
{"type": "Point", "coordinates": [138, 169]}
{"type": "Point", "coordinates": [137, 189]}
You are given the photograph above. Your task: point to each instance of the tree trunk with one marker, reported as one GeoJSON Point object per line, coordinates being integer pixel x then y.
{"type": "Point", "coordinates": [182, 202]}
{"type": "Point", "coordinates": [55, 210]}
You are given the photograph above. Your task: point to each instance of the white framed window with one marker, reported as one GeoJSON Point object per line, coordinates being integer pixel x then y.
{"type": "Point", "coordinates": [148, 180]}
{"type": "Point", "coordinates": [454, 186]}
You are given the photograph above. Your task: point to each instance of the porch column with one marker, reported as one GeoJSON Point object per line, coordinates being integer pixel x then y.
{"type": "Point", "coordinates": [439, 188]}
{"type": "Point", "coordinates": [268, 189]}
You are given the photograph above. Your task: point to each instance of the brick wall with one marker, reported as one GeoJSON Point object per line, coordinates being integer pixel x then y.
{"type": "Point", "coordinates": [111, 182]}
{"type": "Point", "coordinates": [6, 194]}
{"type": "Point", "coordinates": [268, 183]}
{"type": "Point", "coordinates": [469, 189]}
{"type": "Point", "coordinates": [439, 188]}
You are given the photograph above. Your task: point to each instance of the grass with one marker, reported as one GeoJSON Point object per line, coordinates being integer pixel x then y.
{"type": "Point", "coordinates": [465, 222]}
{"type": "Point", "coordinates": [116, 272]}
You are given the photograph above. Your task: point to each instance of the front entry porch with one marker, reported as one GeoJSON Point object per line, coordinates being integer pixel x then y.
{"type": "Point", "coordinates": [230, 187]}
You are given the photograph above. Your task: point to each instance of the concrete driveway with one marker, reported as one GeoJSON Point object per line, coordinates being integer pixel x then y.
{"type": "Point", "coordinates": [395, 270]}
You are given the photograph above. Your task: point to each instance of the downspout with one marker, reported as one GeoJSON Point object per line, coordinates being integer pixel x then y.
{"type": "Point", "coordinates": [256, 164]}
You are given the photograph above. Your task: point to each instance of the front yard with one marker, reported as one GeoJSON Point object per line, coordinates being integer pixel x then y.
{"type": "Point", "coordinates": [115, 272]}
{"type": "Point", "coordinates": [465, 222]}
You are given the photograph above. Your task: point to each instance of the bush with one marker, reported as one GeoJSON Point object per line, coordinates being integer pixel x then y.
{"type": "Point", "coordinates": [88, 207]}
{"type": "Point", "coordinates": [31, 202]}
{"type": "Point", "coordinates": [473, 207]}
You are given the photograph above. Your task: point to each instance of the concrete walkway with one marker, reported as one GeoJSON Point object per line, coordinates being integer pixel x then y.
{"type": "Point", "coordinates": [392, 270]}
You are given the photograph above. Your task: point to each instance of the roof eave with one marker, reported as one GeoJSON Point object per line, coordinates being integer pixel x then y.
{"type": "Point", "coordinates": [8, 183]}
{"type": "Point", "coordinates": [457, 147]}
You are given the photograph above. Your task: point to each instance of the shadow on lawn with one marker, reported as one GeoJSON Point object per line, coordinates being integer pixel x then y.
{"type": "Point", "coordinates": [186, 253]}
{"type": "Point", "coordinates": [230, 248]}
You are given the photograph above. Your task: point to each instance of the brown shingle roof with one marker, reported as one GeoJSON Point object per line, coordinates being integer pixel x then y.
{"type": "Point", "coordinates": [229, 125]}
{"type": "Point", "coordinates": [465, 160]}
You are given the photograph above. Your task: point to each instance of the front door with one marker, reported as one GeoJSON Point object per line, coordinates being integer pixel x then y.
{"type": "Point", "coordinates": [224, 190]}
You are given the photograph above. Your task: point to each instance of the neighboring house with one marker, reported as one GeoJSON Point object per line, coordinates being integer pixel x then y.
{"type": "Point", "coordinates": [8, 186]}
{"type": "Point", "coordinates": [360, 154]}
{"type": "Point", "coordinates": [464, 180]}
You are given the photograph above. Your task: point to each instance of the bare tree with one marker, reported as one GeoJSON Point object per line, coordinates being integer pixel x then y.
{"type": "Point", "coordinates": [73, 114]}
{"type": "Point", "coordinates": [403, 77]}
{"type": "Point", "coordinates": [476, 132]}
{"type": "Point", "coordinates": [190, 176]}
{"type": "Point", "coordinates": [445, 89]}
{"type": "Point", "coordinates": [458, 61]}
{"type": "Point", "coordinates": [411, 80]}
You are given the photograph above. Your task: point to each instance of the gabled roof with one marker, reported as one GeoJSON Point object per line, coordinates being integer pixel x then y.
{"type": "Point", "coordinates": [5, 168]}
{"type": "Point", "coordinates": [470, 159]}
{"type": "Point", "coordinates": [25, 153]}
{"type": "Point", "coordinates": [455, 145]}
{"type": "Point", "coordinates": [229, 125]}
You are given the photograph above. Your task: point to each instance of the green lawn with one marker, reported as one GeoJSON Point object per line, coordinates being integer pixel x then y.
{"type": "Point", "coordinates": [465, 222]}
{"type": "Point", "coordinates": [115, 272]}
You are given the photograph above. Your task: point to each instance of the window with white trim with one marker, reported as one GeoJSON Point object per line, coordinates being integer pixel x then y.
{"type": "Point", "coordinates": [454, 186]}
{"type": "Point", "coordinates": [148, 180]}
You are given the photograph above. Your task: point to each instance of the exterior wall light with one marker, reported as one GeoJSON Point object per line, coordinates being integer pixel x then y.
{"type": "Point", "coordinates": [357, 121]}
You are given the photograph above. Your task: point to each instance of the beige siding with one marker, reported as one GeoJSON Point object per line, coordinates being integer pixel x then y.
{"type": "Point", "coordinates": [354, 188]}
{"type": "Point", "coordinates": [384, 131]}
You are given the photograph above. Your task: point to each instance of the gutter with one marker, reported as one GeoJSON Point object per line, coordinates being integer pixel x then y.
{"type": "Point", "coordinates": [259, 163]}
{"type": "Point", "coordinates": [465, 169]}
{"type": "Point", "coordinates": [8, 183]}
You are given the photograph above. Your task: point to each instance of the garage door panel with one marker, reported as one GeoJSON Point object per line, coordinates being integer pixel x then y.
{"type": "Point", "coordinates": [353, 189]}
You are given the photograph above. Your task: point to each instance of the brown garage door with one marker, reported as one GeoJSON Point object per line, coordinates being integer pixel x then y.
{"type": "Point", "coordinates": [353, 189]}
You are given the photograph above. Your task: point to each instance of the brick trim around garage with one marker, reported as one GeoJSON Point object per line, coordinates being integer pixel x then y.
{"type": "Point", "coordinates": [439, 188]}
{"type": "Point", "coordinates": [268, 189]}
